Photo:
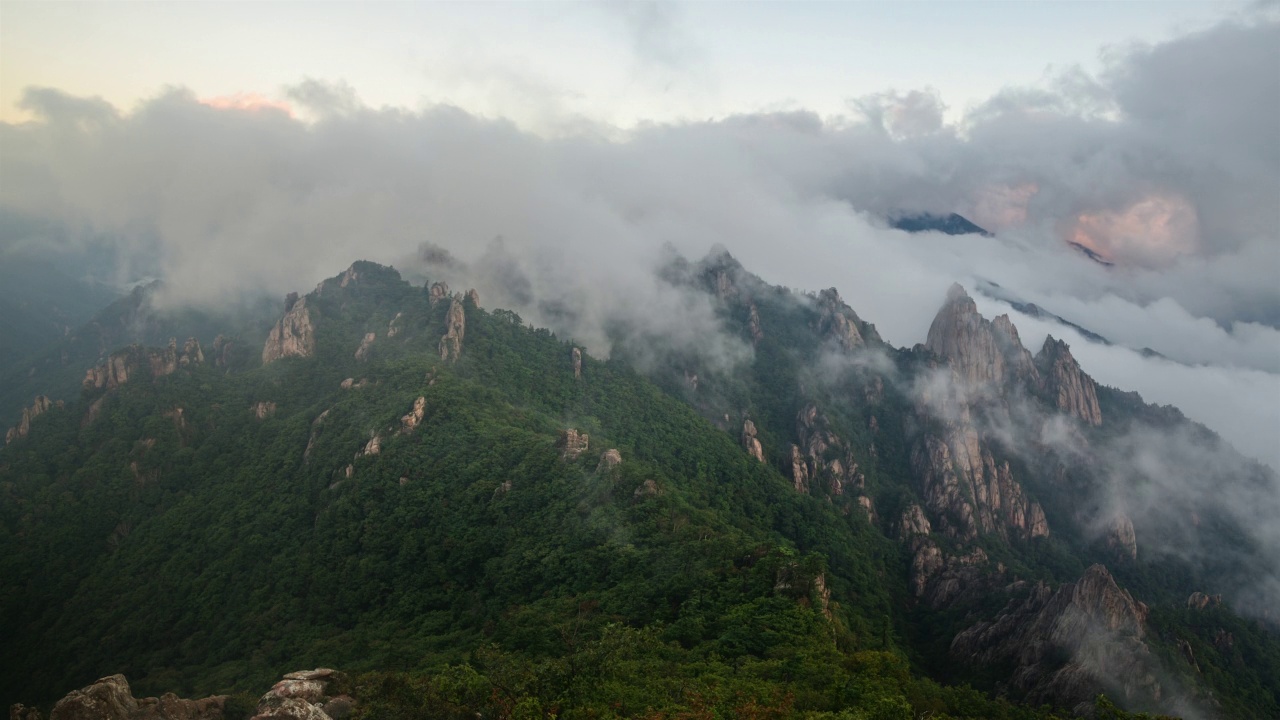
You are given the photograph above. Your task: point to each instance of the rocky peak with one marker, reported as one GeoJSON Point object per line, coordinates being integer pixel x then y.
{"type": "Point", "coordinates": [455, 328]}
{"type": "Point", "coordinates": [439, 291]}
{"type": "Point", "coordinates": [473, 297]}
{"type": "Point", "coordinates": [292, 336]}
{"type": "Point", "coordinates": [1066, 384]}
{"type": "Point", "coordinates": [837, 321]}
{"type": "Point", "coordinates": [978, 349]}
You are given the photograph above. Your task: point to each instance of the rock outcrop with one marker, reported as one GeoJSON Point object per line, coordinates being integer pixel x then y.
{"type": "Point", "coordinates": [126, 364]}
{"type": "Point", "coordinates": [306, 695]}
{"type": "Point", "coordinates": [822, 460]}
{"type": "Point", "coordinates": [572, 444]}
{"type": "Point", "coordinates": [439, 291]}
{"type": "Point", "coordinates": [111, 699]}
{"type": "Point", "coordinates": [455, 328]}
{"type": "Point", "coordinates": [410, 422]}
{"type": "Point", "coordinates": [222, 351]}
{"type": "Point", "coordinates": [1068, 644]}
{"type": "Point", "coordinates": [262, 409]}
{"type": "Point", "coordinates": [749, 441]}
{"type": "Point", "coordinates": [753, 324]}
{"type": "Point", "coordinates": [293, 335]}
{"type": "Point", "coordinates": [575, 357]}
{"type": "Point", "coordinates": [1075, 392]}
{"type": "Point", "coordinates": [393, 327]}
{"type": "Point", "coordinates": [41, 405]}
{"type": "Point", "coordinates": [609, 460]}
{"type": "Point", "coordinates": [362, 352]}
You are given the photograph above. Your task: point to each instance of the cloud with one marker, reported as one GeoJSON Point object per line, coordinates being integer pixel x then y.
{"type": "Point", "coordinates": [1177, 180]}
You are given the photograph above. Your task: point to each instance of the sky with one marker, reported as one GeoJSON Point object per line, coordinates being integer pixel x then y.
{"type": "Point", "coordinates": [557, 150]}
{"type": "Point", "coordinates": [548, 65]}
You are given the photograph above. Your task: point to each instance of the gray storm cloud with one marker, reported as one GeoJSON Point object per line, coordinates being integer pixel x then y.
{"type": "Point", "coordinates": [1167, 162]}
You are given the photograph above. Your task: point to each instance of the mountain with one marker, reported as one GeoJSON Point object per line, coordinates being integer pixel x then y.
{"type": "Point", "coordinates": [471, 515]}
{"type": "Point", "coordinates": [950, 224]}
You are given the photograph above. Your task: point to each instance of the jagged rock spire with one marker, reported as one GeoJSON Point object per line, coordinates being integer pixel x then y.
{"type": "Point", "coordinates": [1071, 388]}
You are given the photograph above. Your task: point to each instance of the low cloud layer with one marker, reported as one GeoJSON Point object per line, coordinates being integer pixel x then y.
{"type": "Point", "coordinates": [1167, 163]}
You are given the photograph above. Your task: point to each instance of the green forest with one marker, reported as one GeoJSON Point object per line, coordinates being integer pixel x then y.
{"type": "Point", "coordinates": [207, 530]}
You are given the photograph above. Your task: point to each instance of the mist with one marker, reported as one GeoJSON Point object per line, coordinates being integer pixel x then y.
{"type": "Point", "coordinates": [1166, 163]}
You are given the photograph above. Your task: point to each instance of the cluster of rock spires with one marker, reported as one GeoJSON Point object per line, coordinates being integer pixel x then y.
{"type": "Point", "coordinates": [988, 355]}
{"type": "Point", "coordinates": [303, 695]}
{"type": "Point", "coordinates": [41, 405]}
{"type": "Point", "coordinates": [121, 366]}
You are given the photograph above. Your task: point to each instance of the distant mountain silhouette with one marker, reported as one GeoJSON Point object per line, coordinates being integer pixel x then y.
{"type": "Point", "coordinates": [952, 224]}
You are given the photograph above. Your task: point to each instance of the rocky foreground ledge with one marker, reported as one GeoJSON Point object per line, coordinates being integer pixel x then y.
{"type": "Point", "coordinates": [305, 695]}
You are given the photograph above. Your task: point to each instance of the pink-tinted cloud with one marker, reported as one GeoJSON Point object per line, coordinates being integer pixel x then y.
{"type": "Point", "coordinates": [248, 101]}
{"type": "Point", "coordinates": [1152, 232]}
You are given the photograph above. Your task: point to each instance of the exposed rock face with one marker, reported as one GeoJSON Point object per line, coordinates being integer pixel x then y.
{"type": "Point", "coordinates": [1121, 539]}
{"type": "Point", "coordinates": [362, 352]}
{"type": "Point", "coordinates": [749, 441]}
{"type": "Point", "coordinates": [576, 358]}
{"type": "Point", "coordinates": [968, 493]}
{"type": "Point", "coordinates": [753, 324]}
{"type": "Point", "coordinates": [192, 354]}
{"type": "Point", "coordinates": [439, 291]}
{"type": "Point", "coordinates": [111, 699]}
{"type": "Point", "coordinates": [304, 696]}
{"type": "Point", "coordinates": [609, 460]}
{"type": "Point", "coordinates": [822, 459]}
{"type": "Point", "coordinates": [293, 335]}
{"type": "Point", "coordinates": [262, 409]}
{"type": "Point", "coordinates": [373, 447]}
{"type": "Point", "coordinates": [41, 405]}
{"type": "Point", "coordinates": [1075, 392]}
{"type": "Point", "coordinates": [572, 444]}
{"type": "Point", "coordinates": [939, 579]}
{"type": "Point", "coordinates": [913, 522]}
{"type": "Point", "coordinates": [393, 327]}
{"type": "Point", "coordinates": [222, 347]}
{"type": "Point", "coordinates": [837, 321]}
{"type": "Point", "coordinates": [1068, 644]}
{"type": "Point", "coordinates": [473, 297]}
{"type": "Point", "coordinates": [799, 470]}
{"type": "Point", "coordinates": [455, 328]}
{"type": "Point", "coordinates": [982, 352]}
{"type": "Point", "coordinates": [125, 364]}
{"type": "Point", "coordinates": [959, 334]}
{"type": "Point", "coordinates": [410, 422]}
